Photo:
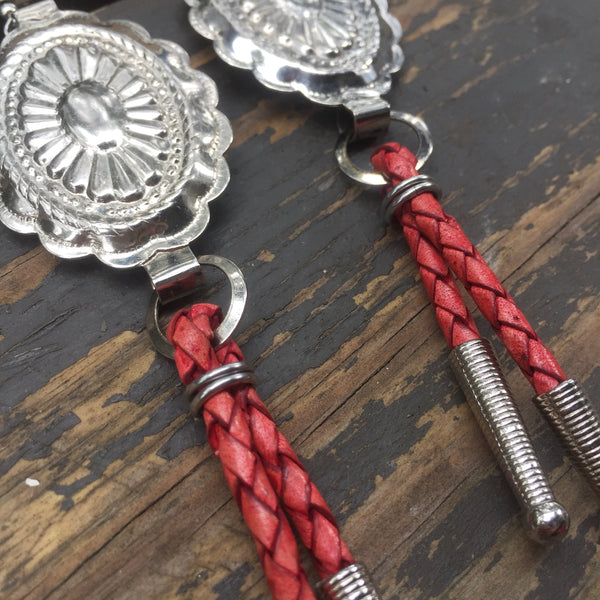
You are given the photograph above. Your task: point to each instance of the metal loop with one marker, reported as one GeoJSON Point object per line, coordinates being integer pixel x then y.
{"type": "Point", "coordinates": [424, 150]}
{"type": "Point", "coordinates": [218, 380]}
{"type": "Point", "coordinates": [407, 190]}
{"type": "Point", "coordinates": [239, 295]}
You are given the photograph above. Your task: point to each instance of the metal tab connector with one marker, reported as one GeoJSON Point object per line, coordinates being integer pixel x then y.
{"type": "Point", "coordinates": [491, 400]}
{"type": "Point", "coordinates": [576, 424]}
{"type": "Point", "coordinates": [351, 583]}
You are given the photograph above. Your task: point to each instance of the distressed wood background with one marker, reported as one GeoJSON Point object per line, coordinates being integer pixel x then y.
{"type": "Point", "coordinates": [131, 504]}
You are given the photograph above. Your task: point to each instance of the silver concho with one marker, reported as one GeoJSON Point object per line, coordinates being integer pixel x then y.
{"type": "Point", "coordinates": [110, 142]}
{"type": "Point", "coordinates": [330, 50]}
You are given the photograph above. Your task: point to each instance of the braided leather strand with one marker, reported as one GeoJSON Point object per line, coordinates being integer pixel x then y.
{"type": "Point", "coordinates": [298, 494]}
{"type": "Point", "coordinates": [302, 501]}
{"type": "Point", "coordinates": [445, 234]}
{"type": "Point", "coordinates": [191, 332]}
{"type": "Point", "coordinates": [451, 312]}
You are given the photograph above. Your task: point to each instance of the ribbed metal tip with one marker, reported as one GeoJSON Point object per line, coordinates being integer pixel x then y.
{"type": "Point", "coordinates": [492, 403]}
{"type": "Point", "coordinates": [351, 583]}
{"type": "Point", "coordinates": [577, 426]}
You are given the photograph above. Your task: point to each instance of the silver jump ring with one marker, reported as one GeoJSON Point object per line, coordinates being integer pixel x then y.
{"type": "Point", "coordinates": [218, 380]}
{"type": "Point", "coordinates": [424, 150]}
{"type": "Point", "coordinates": [407, 190]}
{"type": "Point", "coordinates": [239, 295]}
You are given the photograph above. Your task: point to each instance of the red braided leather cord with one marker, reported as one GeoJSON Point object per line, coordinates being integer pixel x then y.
{"type": "Point", "coordinates": [302, 501]}
{"type": "Point", "coordinates": [451, 312]}
{"type": "Point", "coordinates": [191, 332]}
{"type": "Point", "coordinates": [300, 497]}
{"type": "Point", "coordinates": [445, 234]}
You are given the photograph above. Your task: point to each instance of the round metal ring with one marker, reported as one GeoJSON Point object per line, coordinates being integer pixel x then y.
{"type": "Point", "coordinates": [424, 150]}
{"type": "Point", "coordinates": [216, 374]}
{"type": "Point", "coordinates": [205, 387]}
{"type": "Point", "coordinates": [239, 295]}
{"type": "Point", "coordinates": [407, 190]}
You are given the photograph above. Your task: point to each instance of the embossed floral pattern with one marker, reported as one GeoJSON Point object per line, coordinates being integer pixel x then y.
{"type": "Point", "coordinates": [322, 33]}
{"type": "Point", "coordinates": [93, 124]}
{"type": "Point", "coordinates": [110, 143]}
{"type": "Point", "coordinates": [332, 51]}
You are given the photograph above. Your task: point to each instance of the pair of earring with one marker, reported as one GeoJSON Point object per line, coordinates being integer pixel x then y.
{"type": "Point", "coordinates": [109, 151]}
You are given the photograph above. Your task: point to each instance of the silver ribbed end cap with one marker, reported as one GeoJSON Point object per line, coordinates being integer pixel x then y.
{"type": "Point", "coordinates": [351, 583]}
{"type": "Point", "coordinates": [577, 425]}
{"type": "Point", "coordinates": [492, 403]}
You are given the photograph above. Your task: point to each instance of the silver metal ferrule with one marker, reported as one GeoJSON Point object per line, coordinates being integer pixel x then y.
{"type": "Point", "coordinates": [370, 114]}
{"type": "Point", "coordinates": [576, 424]}
{"type": "Point", "coordinates": [218, 380]}
{"type": "Point", "coordinates": [351, 583]}
{"type": "Point", "coordinates": [407, 190]}
{"type": "Point", "coordinates": [491, 400]}
{"type": "Point", "coordinates": [174, 273]}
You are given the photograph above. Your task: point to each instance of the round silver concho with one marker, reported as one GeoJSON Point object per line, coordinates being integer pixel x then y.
{"type": "Point", "coordinates": [330, 50]}
{"type": "Point", "coordinates": [110, 142]}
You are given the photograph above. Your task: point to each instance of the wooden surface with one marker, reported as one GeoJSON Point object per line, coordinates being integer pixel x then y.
{"type": "Point", "coordinates": [131, 504]}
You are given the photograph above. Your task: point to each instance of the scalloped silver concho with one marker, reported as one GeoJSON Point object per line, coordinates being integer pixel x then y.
{"type": "Point", "coordinates": [110, 143]}
{"type": "Point", "coordinates": [332, 51]}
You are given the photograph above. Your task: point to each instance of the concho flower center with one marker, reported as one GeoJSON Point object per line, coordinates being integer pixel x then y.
{"type": "Point", "coordinates": [94, 115]}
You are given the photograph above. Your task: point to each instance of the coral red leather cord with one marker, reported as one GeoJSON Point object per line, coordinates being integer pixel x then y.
{"type": "Point", "coordinates": [424, 215]}
{"type": "Point", "coordinates": [300, 497]}
{"type": "Point", "coordinates": [230, 438]}
{"type": "Point", "coordinates": [260, 466]}
{"type": "Point", "coordinates": [451, 312]}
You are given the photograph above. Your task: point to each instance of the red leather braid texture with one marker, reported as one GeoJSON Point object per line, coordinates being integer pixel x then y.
{"type": "Point", "coordinates": [191, 332]}
{"type": "Point", "coordinates": [423, 216]}
{"type": "Point", "coordinates": [451, 312]}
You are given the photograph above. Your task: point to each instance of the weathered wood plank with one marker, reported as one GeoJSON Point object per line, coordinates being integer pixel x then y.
{"type": "Point", "coordinates": [131, 504]}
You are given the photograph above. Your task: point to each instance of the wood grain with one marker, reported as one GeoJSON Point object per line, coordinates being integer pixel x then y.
{"type": "Point", "coordinates": [131, 504]}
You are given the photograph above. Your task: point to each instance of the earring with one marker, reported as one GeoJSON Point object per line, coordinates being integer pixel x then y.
{"type": "Point", "coordinates": [113, 146]}
{"type": "Point", "coordinates": [344, 53]}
